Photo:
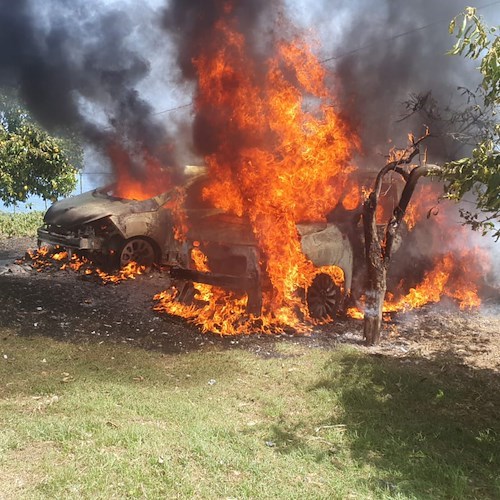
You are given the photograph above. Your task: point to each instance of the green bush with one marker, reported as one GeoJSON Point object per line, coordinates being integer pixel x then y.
{"type": "Point", "coordinates": [20, 224]}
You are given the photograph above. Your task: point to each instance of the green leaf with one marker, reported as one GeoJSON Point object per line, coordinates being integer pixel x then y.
{"type": "Point", "coordinates": [33, 162]}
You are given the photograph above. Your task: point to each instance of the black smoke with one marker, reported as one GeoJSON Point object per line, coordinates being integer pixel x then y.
{"type": "Point", "coordinates": [80, 65]}
{"type": "Point", "coordinates": [191, 25]}
{"type": "Point", "coordinates": [391, 58]}
{"type": "Point", "coordinates": [387, 57]}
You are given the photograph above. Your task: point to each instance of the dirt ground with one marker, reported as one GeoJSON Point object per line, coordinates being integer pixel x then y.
{"type": "Point", "coordinates": [66, 305]}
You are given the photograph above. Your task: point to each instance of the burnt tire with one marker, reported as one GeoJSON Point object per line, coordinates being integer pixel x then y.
{"type": "Point", "coordinates": [323, 297]}
{"type": "Point", "coordinates": [138, 250]}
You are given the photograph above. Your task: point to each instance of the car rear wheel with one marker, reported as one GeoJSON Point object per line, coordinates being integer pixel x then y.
{"type": "Point", "coordinates": [323, 297]}
{"type": "Point", "coordinates": [138, 250]}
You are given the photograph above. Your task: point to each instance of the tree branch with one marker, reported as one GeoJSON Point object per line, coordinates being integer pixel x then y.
{"type": "Point", "coordinates": [399, 212]}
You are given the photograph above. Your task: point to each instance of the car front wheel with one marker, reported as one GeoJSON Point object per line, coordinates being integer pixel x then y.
{"type": "Point", "coordinates": [138, 250]}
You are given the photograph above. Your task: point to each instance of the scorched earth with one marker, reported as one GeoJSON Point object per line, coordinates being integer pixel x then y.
{"type": "Point", "coordinates": [68, 306]}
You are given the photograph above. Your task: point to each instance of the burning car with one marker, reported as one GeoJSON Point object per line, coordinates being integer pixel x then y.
{"type": "Point", "coordinates": [98, 224]}
{"type": "Point", "coordinates": [119, 231]}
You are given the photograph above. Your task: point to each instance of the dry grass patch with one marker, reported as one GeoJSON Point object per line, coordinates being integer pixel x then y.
{"type": "Point", "coordinates": [23, 469]}
{"type": "Point", "coordinates": [302, 423]}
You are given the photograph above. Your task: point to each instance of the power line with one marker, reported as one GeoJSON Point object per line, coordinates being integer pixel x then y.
{"type": "Point", "coordinates": [173, 109]}
{"type": "Point", "coordinates": [382, 40]}
{"type": "Point", "coordinates": [399, 35]}
{"type": "Point", "coordinates": [354, 51]}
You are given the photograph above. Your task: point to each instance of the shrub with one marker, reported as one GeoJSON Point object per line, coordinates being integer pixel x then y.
{"type": "Point", "coordinates": [20, 224]}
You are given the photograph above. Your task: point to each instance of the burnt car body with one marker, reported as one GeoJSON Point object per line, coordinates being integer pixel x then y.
{"type": "Point", "coordinates": [117, 230]}
{"type": "Point", "coordinates": [98, 224]}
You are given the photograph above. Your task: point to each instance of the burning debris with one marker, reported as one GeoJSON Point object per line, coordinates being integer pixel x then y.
{"type": "Point", "coordinates": [45, 259]}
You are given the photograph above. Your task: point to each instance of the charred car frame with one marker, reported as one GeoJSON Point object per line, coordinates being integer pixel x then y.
{"type": "Point", "coordinates": [118, 231]}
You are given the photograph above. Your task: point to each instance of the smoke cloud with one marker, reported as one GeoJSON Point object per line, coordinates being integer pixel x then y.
{"type": "Point", "coordinates": [386, 50]}
{"type": "Point", "coordinates": [191, 23]}
{"type": "Point", "coordinates": [81, 64]}
{"type": "Point", "coordinates": [380, 54]}
{"type": "Point", "coordinates": [84, 64]}
{"type": "Point", "coordinates": [192, 26]}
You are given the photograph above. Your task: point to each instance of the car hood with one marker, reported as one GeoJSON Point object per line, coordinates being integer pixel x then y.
{"type": "Point", "coordinates": [95, 205]}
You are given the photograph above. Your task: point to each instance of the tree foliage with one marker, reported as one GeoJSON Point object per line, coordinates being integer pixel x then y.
{"type": "Point", "coordinates": [479, 173]}
{"type": "Point", "coordinates": [33, 162]}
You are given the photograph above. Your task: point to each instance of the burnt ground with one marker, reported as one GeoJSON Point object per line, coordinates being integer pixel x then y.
{"type": "Point", "coordinates": [68, 306]}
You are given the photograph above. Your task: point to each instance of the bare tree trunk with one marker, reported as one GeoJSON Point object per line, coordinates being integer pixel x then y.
{"type": "Point", "coordinates": [374, 304]}
{"type": "Point", "coordinates": [376, 274]}
{"type": "Point", "coordinates": [377, 252]}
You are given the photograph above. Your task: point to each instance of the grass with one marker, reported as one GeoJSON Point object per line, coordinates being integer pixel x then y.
{"type": "Point", "coordinates": [108, 421]}
{"type": "Point", "coordinates": [20, 224]}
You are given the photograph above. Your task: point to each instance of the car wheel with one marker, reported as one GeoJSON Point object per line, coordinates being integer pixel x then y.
{"type": "Point", "coordinates": [138, 250]}
{"type": "Point", "coordinates": [323, 297]}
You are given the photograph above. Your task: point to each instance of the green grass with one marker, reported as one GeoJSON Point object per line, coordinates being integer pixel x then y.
{"type": "Point", "coordinates": [20, 224]}
{"type": "Point", "coordinates": [108, 421]}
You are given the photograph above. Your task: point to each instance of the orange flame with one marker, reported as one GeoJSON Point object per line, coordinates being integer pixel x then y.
{"type": "Point", "coordinates": [447, 278]}
{"type": "Point", "coordinates": [43, 259]}
{"type": "Point", "coordinates": [276, 161]}
{"type": "Point", "coordinates": [60, 255]}
{"type": "Point", "coordinates": [454, 274]}
{"type": "Point", "coordinates": [179, 216]}
{"type": "Point", "coordinates": [151, 178]}
{"type": "Point", "coordinates": [281, 154]}
{"type": "Point", "coordinates": [426, 197]}
{"type": "Point", "coordinates": [352, 199]}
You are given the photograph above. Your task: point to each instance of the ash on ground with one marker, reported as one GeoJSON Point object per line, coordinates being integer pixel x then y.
{"type": "Point", "coordinates": [63, 305]}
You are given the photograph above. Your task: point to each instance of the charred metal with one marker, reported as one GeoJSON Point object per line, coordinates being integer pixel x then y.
{"type": "Point", "coordinates": [117, 231]}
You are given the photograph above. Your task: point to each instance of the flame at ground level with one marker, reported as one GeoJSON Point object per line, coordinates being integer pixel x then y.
{"type": "Point", "coordinates": [218, 311]}
{"type": "Point", "coordinates": [224, 312]}
{"type": "Point", "coordinates": [45, 258]}
{"type": "Point", "coordinates": [452, 276]}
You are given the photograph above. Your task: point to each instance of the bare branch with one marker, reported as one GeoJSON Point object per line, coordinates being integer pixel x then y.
{"type": "Point", "coordinates": [378, 254]}
{"type": "Point", "coordinates": [399, 212]}
{"type": "Point", "coordinates": [399, 157]}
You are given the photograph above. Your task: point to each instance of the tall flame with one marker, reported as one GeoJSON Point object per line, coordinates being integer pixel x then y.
{"type": "Point", "coordinates": [273, 159]}
{"type": "Point", "coordinates": [278, 152]}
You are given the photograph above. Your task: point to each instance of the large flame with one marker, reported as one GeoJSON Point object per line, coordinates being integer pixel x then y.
{"type": "Point", "coordinates": [448, 278]}
{"type": "Point", "coordinates": [457, 264]}
{"type": "Point", "coordinates": [279, 151]}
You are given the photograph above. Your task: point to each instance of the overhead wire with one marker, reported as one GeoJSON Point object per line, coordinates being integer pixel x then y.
{"type": "Point", "coordinates": [354, 51]}
{"type": "Point", "coordinates": [398, 35]}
